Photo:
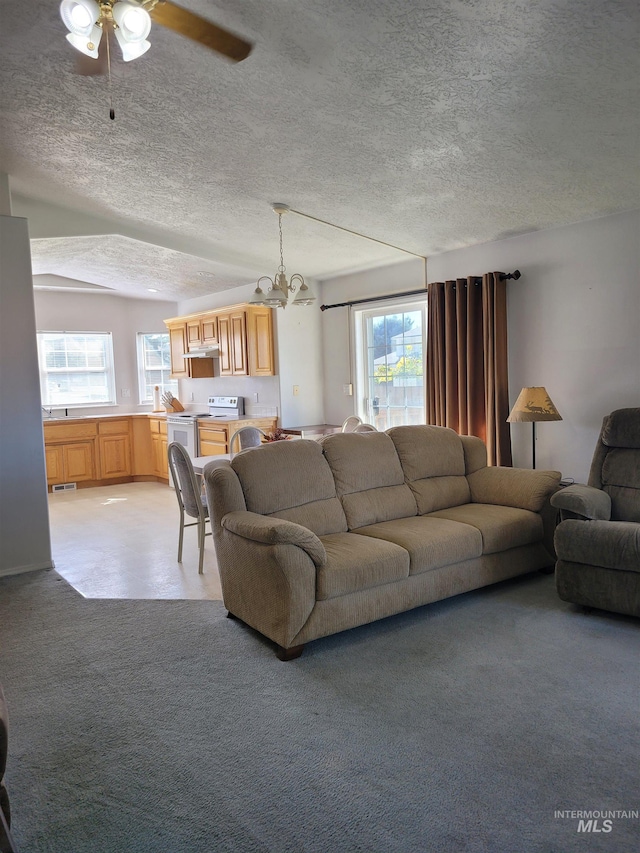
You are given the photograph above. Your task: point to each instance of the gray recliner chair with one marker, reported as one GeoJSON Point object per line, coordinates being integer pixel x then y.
{"type": "Point", "coordinates": [598, 539]}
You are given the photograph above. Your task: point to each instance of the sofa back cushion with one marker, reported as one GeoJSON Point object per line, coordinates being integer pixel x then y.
{"type": "Point", "coordinates": [433, 461]}
{"type": "Point", "coordinates": [291, 480]}
{"type": "Point", "coordinates": [369, 478]}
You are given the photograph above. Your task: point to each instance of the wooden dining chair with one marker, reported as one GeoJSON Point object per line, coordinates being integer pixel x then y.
{"type": "Point", "coordinates": [191, 500]}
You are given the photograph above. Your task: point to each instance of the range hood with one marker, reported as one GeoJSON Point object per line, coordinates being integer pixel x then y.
{"type": "Point", "coordinates": [205, 351]}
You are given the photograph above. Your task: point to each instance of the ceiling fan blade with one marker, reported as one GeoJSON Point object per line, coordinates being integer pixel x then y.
{"type": "Point", "coordinates": [192, 26]}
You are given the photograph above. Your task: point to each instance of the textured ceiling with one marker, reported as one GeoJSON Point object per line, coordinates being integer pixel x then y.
{"type": "Point", "coordinates": [427, 125]}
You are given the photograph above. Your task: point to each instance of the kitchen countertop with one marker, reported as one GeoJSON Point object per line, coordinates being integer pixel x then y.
{"type": "Point", "coordinates": [71, 418]}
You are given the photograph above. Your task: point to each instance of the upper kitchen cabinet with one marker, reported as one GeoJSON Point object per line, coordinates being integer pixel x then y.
{"type": "Point", "coordinates": [181, 367]}
{"type": "Point", "coordinates": [244, 334]}
{"type": "Point", "coordinates": [260, 341]}
{"type": "Point", "coordinates": [201, 331]}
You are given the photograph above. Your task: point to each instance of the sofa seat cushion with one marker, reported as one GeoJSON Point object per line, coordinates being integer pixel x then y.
{"type": "Point", "coordinates": [608, 544]}
{"type": "Point", "coordinates": [369, 479]}
{"type": "Point", "coordinates": [358, 562]}
{"type": "Point", "coordinates": [431, 542]}
{"type": "Point", "coordinates": [502, 527]}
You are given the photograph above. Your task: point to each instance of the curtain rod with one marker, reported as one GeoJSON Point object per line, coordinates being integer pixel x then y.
{"type": "Point", "coordinates": [515, 275]}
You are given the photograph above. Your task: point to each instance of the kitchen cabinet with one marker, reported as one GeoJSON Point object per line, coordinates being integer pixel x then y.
{"type": "Point", "coordinates": [232, 332]}
{"type": "Point", "coordinates": [160, 462]}
{"type": "Point", "coordinates": [260, 341]}
{"type": "Point", "coordinates": [69, 463]}
{"type": "Point", "coordinates": [70, 452]}
{"type": "Point", "coordinates": [244, 334]}
{"type": "Point", "coordinates": [202, 331]}
{"type": "Point", "coordinates": [213, 439]}
{"type": "Point", "coordinates": [114, 449]}
{"type": "Point", "coordinates": [187, 368]}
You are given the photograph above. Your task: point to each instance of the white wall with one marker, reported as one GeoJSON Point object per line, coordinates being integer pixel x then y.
{"type": "Point", "coordinates": [24, 511]}
{"type": "Point", "coordinates": [297, 334]}
{"type": "Point", "coordinates": [336, 340]}
{"type": "Point", "coordinates": [574, 320]}
{"type": "Point", "coordinates": [98, 312]}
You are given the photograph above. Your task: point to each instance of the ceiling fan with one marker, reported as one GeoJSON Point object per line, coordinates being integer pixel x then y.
{"type": "Point", "coordinates": [130, 21]}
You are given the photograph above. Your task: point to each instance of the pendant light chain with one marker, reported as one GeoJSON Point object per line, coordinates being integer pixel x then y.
{"type": "Point", "coordinates": [282, 266]}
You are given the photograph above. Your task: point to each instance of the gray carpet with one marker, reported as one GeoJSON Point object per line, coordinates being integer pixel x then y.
{"type": "Point", "coordinates": [162, 726]}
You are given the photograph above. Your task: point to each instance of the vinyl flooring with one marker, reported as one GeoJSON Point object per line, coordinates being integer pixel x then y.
{"type": "Point", "coordinates": [122, 542]}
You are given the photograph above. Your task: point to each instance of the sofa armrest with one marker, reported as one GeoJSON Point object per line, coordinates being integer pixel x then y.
{"type": "Point", "coordinates": [583, 502]}
{"type": "Point", "coordinates": [275, 531]}
{"type": "Point", "coordinates": [522, 488]}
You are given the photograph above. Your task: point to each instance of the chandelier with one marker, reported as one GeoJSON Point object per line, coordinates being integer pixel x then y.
{"type": "Point", "coordinates": [86, 21]}
{"type": "Point", "coordinates": [277, 295]}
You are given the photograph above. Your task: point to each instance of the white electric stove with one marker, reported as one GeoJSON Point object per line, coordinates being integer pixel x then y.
{"type": "Point", "coordinates": [183, 426]}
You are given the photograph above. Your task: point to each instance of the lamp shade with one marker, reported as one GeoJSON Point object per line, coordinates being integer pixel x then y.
{"type": "Point", "coordinates": [533, 404]}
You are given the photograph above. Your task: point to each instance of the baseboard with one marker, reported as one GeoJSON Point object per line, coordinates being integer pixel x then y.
{"type": "Point", "coordinates": [21, 570]}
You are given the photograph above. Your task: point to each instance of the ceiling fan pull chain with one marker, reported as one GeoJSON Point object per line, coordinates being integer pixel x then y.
{"type": "Point", "coordinates": [112, 112]}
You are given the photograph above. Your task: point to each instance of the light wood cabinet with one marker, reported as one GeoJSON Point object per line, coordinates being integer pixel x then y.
{"type": "Point", "coordinates": [70, 463]}
{"type": "Point", "coordinates": [214, 439]}
{"type": "Point", "coordinates": [70, 452]}
{"type": "Point", "coordinates": [244, 334]}
{"type": "Point", "coordinates": [114, 449]}
{"type": "Point", "coordinates": [232, 331]}
{"type": "Point", "coordinates": [187, 368]}
{"type": "Point", "coordinates": [160, 462]}
{"type": "Point", "coordinates": [260, 341]}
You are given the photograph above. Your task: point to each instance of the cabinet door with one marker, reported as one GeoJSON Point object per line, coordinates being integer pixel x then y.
{"type": "Point", "coordinates": [238, 322]}
{"type": "Point", "coordinates": [115, 456]}
{"type": "Point", "coordinates": [78, 461]}
{"type": "Point", "coordinates": [164, 460]}
{"type": "Point", "coordinates": [178, 347]}
{"type": "Point", "coordinates": [209, 329]}
{"type": "Point", "coordinates": [160, 461]}
{"type": "Point", "coordinates": [260, 342]}
{"type": "Point", "coordinates": [55, 465]}
{"type": "Point", "coordinates": [224, 339]}
{"type": "Point", "coordinates": [194, 334]}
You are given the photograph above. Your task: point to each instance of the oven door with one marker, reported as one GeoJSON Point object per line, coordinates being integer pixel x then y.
{"type": "Point", "coordinates": [185, 432]}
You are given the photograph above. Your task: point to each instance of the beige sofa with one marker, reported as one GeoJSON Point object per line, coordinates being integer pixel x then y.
{"type": "Point", "coordinates": [313, 538]}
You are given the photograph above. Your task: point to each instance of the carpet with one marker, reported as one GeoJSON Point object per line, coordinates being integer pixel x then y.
{"type": "Point", "coordinates": [466, 725]}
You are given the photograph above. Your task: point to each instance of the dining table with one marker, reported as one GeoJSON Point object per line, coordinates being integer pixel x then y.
{"type": "Point", "coordinates": [199, 462]}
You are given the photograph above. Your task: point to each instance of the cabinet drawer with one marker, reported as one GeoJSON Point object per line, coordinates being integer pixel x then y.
{"type": "Point", "coordinates": [66, 432]}
{"type": "Point", "coordinates": [120, 427]}
{"type": "Point", "coordinates": [212, 448]}
{"type": "Point", "coordinates": [217, 435]}
{"type": "Point", "coordinates": [158, 425]}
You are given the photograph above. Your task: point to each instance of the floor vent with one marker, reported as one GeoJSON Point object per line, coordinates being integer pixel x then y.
{"type": "Point", "coordinates": [64, 487]}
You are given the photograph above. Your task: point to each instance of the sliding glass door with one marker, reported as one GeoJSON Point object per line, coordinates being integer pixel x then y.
{"type": "Point", "coordinates": [390, 370]}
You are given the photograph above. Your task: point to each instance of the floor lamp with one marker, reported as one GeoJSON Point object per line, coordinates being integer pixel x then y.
{"type": "Point", "coordinates": [533, 404]}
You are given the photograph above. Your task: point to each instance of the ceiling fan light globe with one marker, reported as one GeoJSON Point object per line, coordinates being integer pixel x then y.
{"type": "Point", "coordinates": [79, 16]}
{"type": "Point", "coordinates": [133, 22]}
{"type": "Point", "coordinates": [87, 44]}
{"type": "Point", "coordinates": [131, 50]}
